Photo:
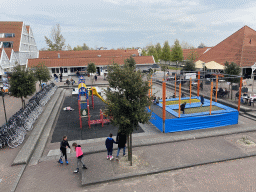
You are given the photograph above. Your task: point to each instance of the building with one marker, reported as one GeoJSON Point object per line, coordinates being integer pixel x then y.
{"type": "Point", "coordinates": [69, 62]}
{"type": "Point", "coordinates": [240, 48]}
{"type": "Point", "coordinates": [17, 45]}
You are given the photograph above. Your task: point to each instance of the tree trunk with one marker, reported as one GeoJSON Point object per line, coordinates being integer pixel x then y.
{"type": "Point", "coordinates": [131, 149]}
{"type": "Point", "coordinates": [129, 138]}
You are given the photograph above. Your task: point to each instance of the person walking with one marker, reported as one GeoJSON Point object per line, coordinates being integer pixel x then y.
{"type": "Point", "coordinates": [202, 100]}
{"type": "Point", "coordinates": [63, 148]}
{"type": "Point", "coordinates": [79, 155]}
{"type": "Point", "coordinates": [61, 77]}
{"type": "Point", "coordinates": [182, 107]}
{"type": "Point", "coordinates": [95, 77]}
{"type": "Point", "coordinates": [109, 145]}
{"type": "Point", "coordinates": [121, 141]}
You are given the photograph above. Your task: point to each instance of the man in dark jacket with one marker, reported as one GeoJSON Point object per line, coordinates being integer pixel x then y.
{"type": "Point", "coordinates": [182, 107]}
{"type": "Point", "coordinates": [121, 140]}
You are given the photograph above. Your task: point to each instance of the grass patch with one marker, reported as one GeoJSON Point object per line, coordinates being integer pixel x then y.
{"type": "Point", "coordinates": [199, 109]}
{"type": "Point", "coordinates": [182, 101]}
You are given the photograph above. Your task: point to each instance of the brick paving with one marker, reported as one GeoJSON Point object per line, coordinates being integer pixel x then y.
{"type": "Point", "coordinates": [235, 175]}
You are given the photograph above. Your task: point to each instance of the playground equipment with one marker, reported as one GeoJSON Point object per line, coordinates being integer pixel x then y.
{"type": "Point", "coordinates": [167, 115]}
{"type": "Point", "coordinates": [84, 106]}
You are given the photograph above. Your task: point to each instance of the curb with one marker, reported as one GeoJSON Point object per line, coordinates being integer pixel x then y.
{"type": "Point", "coordinates": [39, 149]}
{"type": "Point", "coordinates": [164, 170]}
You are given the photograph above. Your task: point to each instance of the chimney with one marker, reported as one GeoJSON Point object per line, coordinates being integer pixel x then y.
{"type": "Point", "coordinates": [58, 55]}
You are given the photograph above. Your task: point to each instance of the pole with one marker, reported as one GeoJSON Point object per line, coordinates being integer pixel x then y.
{"type": "Point", "coordinates": [216, 95]}
{"type": "Point", "coordinates": [240, 90]}
{"type": "Point", "coordinates": [151, 86]}
{"type": "Point", "coordinates": [175, 85]}
{"type": "Point", "coordinates": [190, 90]}
{"type": "Point", "coordinates": [179, 98]}
{"type": "Point", "coordinates": [211, 98]}
{"type": "Point", "coordinates": [164, 95]}
{"type": "Point", "coordinates": [252, 82]}
{"type": "Point", "coordinates": [4, 107]}
{"type": "Point", "coordinates": [198, 84]}
{"type": "Point", "coordinates": [149, 92]}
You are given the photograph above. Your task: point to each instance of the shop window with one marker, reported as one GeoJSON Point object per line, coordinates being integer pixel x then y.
{"type": "Point", "coordinates": [65, 70]}
{"type": "Point", "coordinates": [57, 70]}
{"type": "Point", "coordinates": [72, 70]}
{"type": "Point", "coordinates": [53, 70]}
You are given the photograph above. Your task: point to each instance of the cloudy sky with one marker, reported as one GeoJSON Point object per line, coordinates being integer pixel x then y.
{"type": "Point", "coordinates": [132, 23]}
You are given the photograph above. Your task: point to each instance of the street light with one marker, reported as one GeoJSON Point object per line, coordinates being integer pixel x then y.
{"type": "Point", "coordinates": [204, 69]}
{"type": "Point", "coordinates": [2, 94]}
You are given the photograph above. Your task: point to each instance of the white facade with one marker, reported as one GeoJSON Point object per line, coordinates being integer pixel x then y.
{"type": "Point", "coordinates": [27, 50]}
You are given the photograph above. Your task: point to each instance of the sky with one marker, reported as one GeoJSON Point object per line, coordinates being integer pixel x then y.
{"type": "Point", "coordinates": [132, 23]}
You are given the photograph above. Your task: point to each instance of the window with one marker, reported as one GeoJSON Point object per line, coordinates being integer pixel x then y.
{"type": "Point", "coordinates": [71, 70]}
{"type": "Point", "coordinates": [9, 35]}
{"type": "Point", "coordinates": [7, 44]}
{"type": "Point", "coordinates": [65, 70]}
{"type": "Point", "coordinates": [53, 70]}
{"type": "Point", "coordinates": [57, 70]}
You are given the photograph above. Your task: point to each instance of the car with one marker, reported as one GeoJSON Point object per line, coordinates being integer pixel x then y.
{"type": "Point", "coordinates": [147, 70]}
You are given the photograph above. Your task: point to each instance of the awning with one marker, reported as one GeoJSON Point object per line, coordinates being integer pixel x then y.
{"type": "Point", "coordinates": [199, 64]}
{"type": "Point", "coordinates": [214, 65]}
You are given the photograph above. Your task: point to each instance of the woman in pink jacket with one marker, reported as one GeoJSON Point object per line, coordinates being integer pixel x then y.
{"type": "Point", "coordinates": [79, 155]}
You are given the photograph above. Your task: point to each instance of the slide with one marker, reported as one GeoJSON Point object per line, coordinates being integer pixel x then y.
{"type": "Point", "coordinates": [94, 91]}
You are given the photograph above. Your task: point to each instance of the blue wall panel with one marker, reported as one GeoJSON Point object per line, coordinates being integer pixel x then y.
{"type": "Point", "coordinates": [157, 121]}
{"type": "Point", "coordinates": [200, 122]}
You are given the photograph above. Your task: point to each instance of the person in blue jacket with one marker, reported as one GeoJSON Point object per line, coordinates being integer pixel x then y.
{"type": "Point", "coordinates": [109, 145]}
{"type": "Point", "coordinates": [202, 100]}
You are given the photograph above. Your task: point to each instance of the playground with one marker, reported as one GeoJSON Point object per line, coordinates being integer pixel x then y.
{"type": "Point", "coordinates": [75, 126]}
{"type": "Point", "coordinates": [202, 108]}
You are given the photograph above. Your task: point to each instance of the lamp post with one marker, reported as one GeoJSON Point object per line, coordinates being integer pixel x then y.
{"type": "Point", "coordinates": [2, 94]}
{"type": "Point", "coordinates": [204, 69]}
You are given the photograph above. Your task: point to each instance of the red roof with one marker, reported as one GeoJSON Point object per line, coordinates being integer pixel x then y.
{"type": "Point", "coordinates": [87, 53]}
{"type": "Point", "coordinates": [240, 48]}
{"type": "Point", "coordinates": [198, 52]}
{"type": "Point", "coordinates": [12, 27]}
{"type": "Point", "coordinates": [103, 61]}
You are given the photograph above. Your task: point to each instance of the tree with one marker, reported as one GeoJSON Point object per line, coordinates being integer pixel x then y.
{"type": "Point", "coordinates": [144, 53]}
{"type": "Point", "coordinates": [130, 62]}
{"type": "Point", "coordinates": [164, 67]}
{"type": "Point", "coordinates": [189, 66]}
{"type": "Point", "coordinates": [42, 73]}
{"type": "Point", "coordinates": [166, 52]}
{"type": "Point", "coordinates": [152, 51]}
{"type": "Point", "coordinates": [186, 45]}
{"type": "Point", "coordinates": [232, 69]}
{"type": "Point", "coordinates": [69, 48]}
{"type": "Point", "coordinates": [193, 55]}
{"type": "Point", "coordinates": [78, 48]}
{"type": "Point", "coordinates": [127, 104]}
{"type": "Point", "coordinates": [22, 83]}
{"type": "Point", "coordinates": [85, 47]}
{"type": "Point", "coordinates": [176, 53]}
{"type": "Point", "coordinates": [91, 68]}
{"type": "Point", "coordinates": [202, 45]}
{"type": "Point", "coordinates": [58, 42]}
{"type": "Point", "coordinates": [81, 48]}
{"type": "Point", "coordinates": [158, 51]}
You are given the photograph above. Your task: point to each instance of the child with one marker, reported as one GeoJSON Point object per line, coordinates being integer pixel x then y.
{"type": "Point", "coordinates": [79, 155]}
{"type": "Point", "coordinates": [63, 146]}
{"type": "Point", "coordinates": [202, 100]}
{"type": "Point", "coordinates": [182, 107]}
{"type": "Point", "coordinates": [109, 145]}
